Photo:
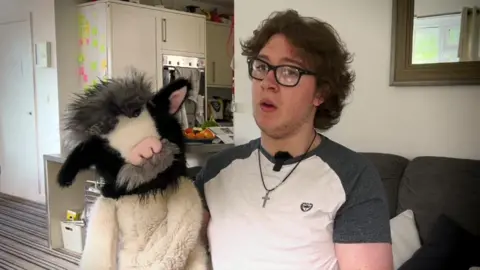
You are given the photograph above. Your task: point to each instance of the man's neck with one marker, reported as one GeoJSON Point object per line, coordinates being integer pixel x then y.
{"type": "Point", "coordinates": [296, 144]}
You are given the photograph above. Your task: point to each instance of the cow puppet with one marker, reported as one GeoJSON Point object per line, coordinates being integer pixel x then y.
{"type": "Point", "coordinates": [149, 214]}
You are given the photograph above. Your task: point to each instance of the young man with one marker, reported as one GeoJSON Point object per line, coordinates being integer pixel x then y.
{"type": "Point", "coordinates": [295, 199]}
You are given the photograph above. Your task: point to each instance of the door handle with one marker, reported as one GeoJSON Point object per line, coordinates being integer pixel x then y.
{"type": "Point", "coordinates": [164, 30]}
{"type": "Point", "coordinates": [213, 70]}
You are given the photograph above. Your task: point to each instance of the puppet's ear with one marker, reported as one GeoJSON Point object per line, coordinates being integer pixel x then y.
{"type": "Point", "coordinates": [176, 99]}
{"type": "Point", "coordinates": [173, 95]}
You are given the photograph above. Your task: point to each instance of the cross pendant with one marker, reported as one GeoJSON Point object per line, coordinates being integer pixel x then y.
{"type": "Point", "coordinates": [265, 198]}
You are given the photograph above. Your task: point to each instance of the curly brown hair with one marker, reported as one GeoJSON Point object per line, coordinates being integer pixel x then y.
{"type": "Point", "coordinates": [322, 50]}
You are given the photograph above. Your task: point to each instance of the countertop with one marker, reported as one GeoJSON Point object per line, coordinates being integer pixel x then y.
{"type": "Point", "coordinates": [192, 148]}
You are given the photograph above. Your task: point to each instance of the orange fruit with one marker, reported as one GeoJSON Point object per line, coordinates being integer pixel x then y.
{"type": "Point", "coordinates": [208, 134]}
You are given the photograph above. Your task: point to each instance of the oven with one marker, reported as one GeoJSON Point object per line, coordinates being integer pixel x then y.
{"type": "Point", "coordinates": [192, 112]}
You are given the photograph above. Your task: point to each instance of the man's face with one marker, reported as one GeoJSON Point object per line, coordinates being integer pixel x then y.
{"type": "Point", "coordinates": [279, 109]}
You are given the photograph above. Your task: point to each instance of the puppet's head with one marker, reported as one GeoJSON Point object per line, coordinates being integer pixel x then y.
{"type": "Point", "coordinates": [128, 132]}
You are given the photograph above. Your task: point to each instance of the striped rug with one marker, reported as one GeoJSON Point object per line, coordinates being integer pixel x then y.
{"type": "Point", "coordinates": [23, 238]}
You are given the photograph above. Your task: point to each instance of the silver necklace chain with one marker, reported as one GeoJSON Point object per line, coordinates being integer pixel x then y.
{"type": "Point", "coordinates": [268, 191]}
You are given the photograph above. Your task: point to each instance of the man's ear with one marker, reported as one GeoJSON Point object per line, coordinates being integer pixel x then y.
{"type": "Point", "coordinates": [173, 95]}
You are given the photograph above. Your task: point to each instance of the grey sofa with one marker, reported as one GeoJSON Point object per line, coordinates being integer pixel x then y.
{"type": "Point", "coordinates": [431, 186]}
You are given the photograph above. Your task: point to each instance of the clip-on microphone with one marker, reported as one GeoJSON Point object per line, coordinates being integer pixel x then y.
{"type": "Point", "coordinates": [280, 158]}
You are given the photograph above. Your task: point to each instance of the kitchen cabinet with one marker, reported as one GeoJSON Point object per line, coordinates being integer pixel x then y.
{"type": "Point", "coordinates": [183, 32]}
{"type": "Point", "coordinates": [219, 72]}
{"type": "Point", "coordinates": [116, 36]}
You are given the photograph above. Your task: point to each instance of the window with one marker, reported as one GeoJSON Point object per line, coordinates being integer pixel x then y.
{"type": "Point", "coordinates": [436, 39]}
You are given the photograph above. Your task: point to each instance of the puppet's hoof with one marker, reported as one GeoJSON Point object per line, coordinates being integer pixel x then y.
{"type": "Point", "coordinates": [64, 180]}
{"type": "Point", "coordinates": [145, 150]}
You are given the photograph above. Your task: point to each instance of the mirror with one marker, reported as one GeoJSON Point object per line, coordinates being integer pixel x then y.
{"type": "Point", "coordinates": [435, 42]}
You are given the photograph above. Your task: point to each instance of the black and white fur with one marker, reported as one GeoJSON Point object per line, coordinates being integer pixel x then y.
{"type": "Point", "coordinates": [149, 215]}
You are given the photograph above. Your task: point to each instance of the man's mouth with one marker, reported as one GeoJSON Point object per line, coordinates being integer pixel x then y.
{"type": "Point", "coordinates": [267, 106]}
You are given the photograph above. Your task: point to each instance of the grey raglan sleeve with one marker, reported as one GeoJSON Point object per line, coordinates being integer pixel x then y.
{"type": "Point", "coordinates": [200, 185]}
{"type": "Point", "coordinates": [364, 217]}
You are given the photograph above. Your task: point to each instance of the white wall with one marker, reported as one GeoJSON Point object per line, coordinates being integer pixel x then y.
{"type": "Point", "coordinates": [379, 118]}
{"type": "Point", "coordinates": [45, 78]}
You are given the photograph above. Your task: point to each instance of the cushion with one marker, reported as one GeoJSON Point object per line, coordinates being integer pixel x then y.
{"type": "Point", "coordinates": [440, 185]}
{"type": "Point", "coordinates": [448, 246]}
{"type": "Point", "coordinates": [405, 239]}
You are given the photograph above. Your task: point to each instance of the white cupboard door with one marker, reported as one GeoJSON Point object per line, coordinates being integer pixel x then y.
{"type": "Point", "coordinates": [133, 41]}
{"type": "Point", "coordinates": [19, 164]}
{"type": "Point", "coordinates": [183, 33]}
{"type": "Point", "coordinates": [219, 72]}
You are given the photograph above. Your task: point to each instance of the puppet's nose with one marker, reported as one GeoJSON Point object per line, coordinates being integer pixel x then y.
{"type": "Point", "coordinates": [145, 149]}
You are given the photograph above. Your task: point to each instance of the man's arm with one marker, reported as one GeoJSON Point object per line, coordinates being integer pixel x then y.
{"type": "Point", "coordinates": [362, 226]}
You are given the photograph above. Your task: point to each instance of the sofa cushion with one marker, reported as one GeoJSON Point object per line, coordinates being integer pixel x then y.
{"type": "Point", "coordinates": [405, 239]}
{"type": "Point", "coordinates": [448, 246]}
{"type": "Point", "coordinates": [435, 185]}
{"type": "Point", "coordinates": [390, 167]}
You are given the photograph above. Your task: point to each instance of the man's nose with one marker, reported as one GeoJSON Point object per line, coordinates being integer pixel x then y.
{"type": "Point", "coordinates": [269, 82]}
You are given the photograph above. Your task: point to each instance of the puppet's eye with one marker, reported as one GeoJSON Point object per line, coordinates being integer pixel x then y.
{"type": "Point", "coordinates": [136, 112]}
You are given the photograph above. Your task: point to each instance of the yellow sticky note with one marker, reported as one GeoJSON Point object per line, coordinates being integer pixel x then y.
{"type": "Point", "coordinates": [93, 66]}
{"type": "Point", "coordinates": [81, 58]}
{"type": "Point", "coordinates": [95, 43]}
{"type": "Point", "coordinates": [104, 64]}
{"type": "Point", "coordinates": [81, 19]}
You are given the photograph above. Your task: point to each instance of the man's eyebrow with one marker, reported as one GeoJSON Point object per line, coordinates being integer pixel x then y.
{"type": "Point", "coordinates": [287, 60]}
{"type": "Point", "coordinates": [292, 61]}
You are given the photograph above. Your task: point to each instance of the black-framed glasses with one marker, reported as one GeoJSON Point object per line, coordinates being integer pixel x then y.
{"type": "Point", "coordinates": [285, 75]}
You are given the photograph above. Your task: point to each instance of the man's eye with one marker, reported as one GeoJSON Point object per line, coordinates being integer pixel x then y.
{"type": "Point", "coordinates": [261, 67]}
{"type": "Point", "coordinates": [289, 72]}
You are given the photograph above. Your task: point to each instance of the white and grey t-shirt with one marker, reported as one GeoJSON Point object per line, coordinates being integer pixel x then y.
{"type": "Point", "coordinates": [334, 196]}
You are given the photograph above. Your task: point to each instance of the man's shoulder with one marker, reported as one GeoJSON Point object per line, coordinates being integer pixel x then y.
{"type": "Point", "coordinates": [348, 164]}
{"type": "Point", "coordinates": [223, 159]}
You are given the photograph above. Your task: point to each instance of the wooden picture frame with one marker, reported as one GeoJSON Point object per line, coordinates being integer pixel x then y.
{"type": "Point", "coordinates": [404, 73]}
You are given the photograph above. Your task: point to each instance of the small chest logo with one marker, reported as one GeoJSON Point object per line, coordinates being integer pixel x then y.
{"type": "Point", "coordinates": [306, 206]}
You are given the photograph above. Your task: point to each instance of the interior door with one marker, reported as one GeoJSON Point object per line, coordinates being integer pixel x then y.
{"type": "Point", "coordinates": [19, 174]}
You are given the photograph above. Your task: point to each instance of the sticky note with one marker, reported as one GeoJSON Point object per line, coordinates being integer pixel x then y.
{"type": "Point", "coordinates": [85, 77]}
{"type": "Point", "coordinates": [102, 48]}
{"type": "Point", "coordinates": [94, 31]}
{"type": "Point", "coordinates": [104, 64]}
{"type": "Point", "coordinates": [81, 58]}
{"type": "Point", "coordinates": [81, 19]}
{"type": "Point", "coordinates": [93, 66]}
{"type": "Point", "coordinates": [81, 71]}
{"type": "Point", "coordinates": [95, 43]}
{"type": "Point", "coordinates": [87, 41]}
{"type": "Point", "coordinates": [80, 42]}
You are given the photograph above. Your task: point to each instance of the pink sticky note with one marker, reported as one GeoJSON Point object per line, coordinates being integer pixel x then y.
{"type": "Point", "coordinates": [81, 71]}
{"type": "Point", "coordinates": [80, 41]}
{"type": "Point", "coordinates": [85, 77]}
{"type": "Point", "coordinates": [87, 41]}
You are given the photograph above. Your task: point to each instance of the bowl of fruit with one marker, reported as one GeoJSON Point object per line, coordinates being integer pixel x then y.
{"type": "Point", "coordinates": [199, 135]}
